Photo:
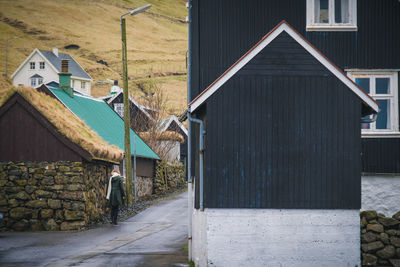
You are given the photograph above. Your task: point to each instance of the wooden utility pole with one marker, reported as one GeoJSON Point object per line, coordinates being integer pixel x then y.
{"type": "Point", "coordinates": [126, 116]}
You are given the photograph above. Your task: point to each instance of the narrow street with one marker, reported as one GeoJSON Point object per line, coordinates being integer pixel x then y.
{"type": "Point", "coordinates": [154, 237]}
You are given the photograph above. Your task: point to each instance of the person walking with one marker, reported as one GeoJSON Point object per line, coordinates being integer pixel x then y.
{"type": "Point", "coordinates": [115, 194]}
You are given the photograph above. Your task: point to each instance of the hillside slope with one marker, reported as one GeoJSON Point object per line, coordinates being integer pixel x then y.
{"type": "Point", "coordinates": [157, 41]}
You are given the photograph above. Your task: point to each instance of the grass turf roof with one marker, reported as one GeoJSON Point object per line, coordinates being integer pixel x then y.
{"type": "Point", "coordinates": [66, 123]}
{"type": "Point", "coordinates": [103, 120]}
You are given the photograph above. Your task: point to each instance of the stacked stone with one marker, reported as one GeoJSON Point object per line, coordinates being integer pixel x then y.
{"type": "Point", "coordinates": [168, 176]}
{"type": "Point", "coordinates": [380, 239]}
{"type": "Point", "coordinates": [46, 196]}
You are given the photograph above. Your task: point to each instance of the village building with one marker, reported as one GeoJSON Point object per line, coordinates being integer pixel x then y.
{"type": "Point", "coordinates": [362, 40]}
{"type": "Point", "coordinates": [53, 167]}
{"type": "Point", "coordinates": [42, 67]}
{"type": "Point", "coordinates": [281, 157]}
{"type": "Point", "coordinates": [142, 117]}
{"type": "Point", "coordinates": [172, 124]}
{"type": "Point", "coordinates": [98, 115]}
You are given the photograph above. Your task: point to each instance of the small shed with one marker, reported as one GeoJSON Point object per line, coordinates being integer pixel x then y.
{"type": "Point", "coordinates": [174, 125]}
{"type": "Point", "coordinates": [53, 167]}
{"type": "Point", "coordinates": [102, 119]}
{"type": "Point", "coordinates": [282, 181]}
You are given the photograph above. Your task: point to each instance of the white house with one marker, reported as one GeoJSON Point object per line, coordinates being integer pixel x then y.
{"type": "Point", "coordinates": [42, 67]}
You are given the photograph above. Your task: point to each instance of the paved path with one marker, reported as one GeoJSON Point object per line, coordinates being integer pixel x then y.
{"type": "Point", "coordinates": [154, 237]}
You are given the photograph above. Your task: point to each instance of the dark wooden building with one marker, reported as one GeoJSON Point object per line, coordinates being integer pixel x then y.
{"type": "Point", "coordinates": [284, 150]}
{"type": "Point", "coordinates": [141, 117]}
{"type": "Point", "coordinates": [283, 129]}
{"type": "Point", "coordinates": [364, 47]}
{"type": "Point", "coordinates": [44, 167]}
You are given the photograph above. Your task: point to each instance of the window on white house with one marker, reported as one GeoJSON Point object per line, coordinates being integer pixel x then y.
{"type": "Point", "coordinates": [72, 83]}
{"type": "Point", "coordinates": [119, 108]}
{"type": "Point", "coordinates": [331, 15]}
{"type": "Point", "coordinates": [32, 65]}
{"type": "Point", "coordinates": [383, 87]}
{"type": "Point", "coordinates": [33, 82]}
{"type": "Point", "coordinates": [83, 85]}
{"type": "Point", "coordinates": [40, 81]}
{"type": "Point", "coordinates": [41, 65]}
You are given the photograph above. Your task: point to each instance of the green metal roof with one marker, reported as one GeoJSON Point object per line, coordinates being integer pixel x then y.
{"type": "Point", "coordinates": [103, 120]}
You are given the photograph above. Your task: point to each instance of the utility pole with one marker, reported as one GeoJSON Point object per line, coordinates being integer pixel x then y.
{"type": "Point", "coordinates": [127, 123]}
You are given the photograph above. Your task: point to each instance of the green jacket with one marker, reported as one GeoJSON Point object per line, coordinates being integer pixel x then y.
{"type": "Point", "coordinates": [117, 191]}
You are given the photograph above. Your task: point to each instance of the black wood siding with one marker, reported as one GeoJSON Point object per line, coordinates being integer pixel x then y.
{"type": "Point", "coordinates": [380, 155]}
{"type": "Point", "coordinates": [224, 30]}
{"type": "Point", "coordinates": [283, 133]}
{"type": "Point", "coordinates": [140, 122]}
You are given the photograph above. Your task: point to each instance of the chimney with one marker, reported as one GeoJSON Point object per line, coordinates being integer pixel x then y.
{"type": "Point", "coordinates": [55, 51]}
{"type": "Point", "coordinates": [65, 78]}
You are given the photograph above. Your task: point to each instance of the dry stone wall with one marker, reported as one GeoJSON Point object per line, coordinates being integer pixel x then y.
{"type": "Point", "coordinates": [380, 239]}
{"type": "Point", "coordinates": [169, 176]}
{"type": "Point", "coordinates": [51, 195]}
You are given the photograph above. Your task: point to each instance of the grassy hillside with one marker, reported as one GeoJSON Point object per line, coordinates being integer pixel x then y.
{"type": "Point", "coordinates": [157, 40]}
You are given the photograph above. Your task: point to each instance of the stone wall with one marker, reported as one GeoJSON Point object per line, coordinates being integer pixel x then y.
{"type": "Point", "coordinates": [169, 175]}
{"type": "Point", "coordinates": [51, 195]}
{"type": "Point", "coordinates": [380, 239]}
{"type": "Point", "coordinates": [144, 186]}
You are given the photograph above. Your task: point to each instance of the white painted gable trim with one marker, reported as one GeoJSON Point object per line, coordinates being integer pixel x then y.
{"type": "Point", "coordinates": [283, 26]}
{"type": "Point", "coordinates": [51, 65]}
{"type": "Point", "coordinates": [29, 57]}
{"type": "Point", "coordinates": [170, 120]}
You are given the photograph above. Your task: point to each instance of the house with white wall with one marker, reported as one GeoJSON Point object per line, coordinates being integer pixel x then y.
{"type": "Point", "coordinates": [42, 67]}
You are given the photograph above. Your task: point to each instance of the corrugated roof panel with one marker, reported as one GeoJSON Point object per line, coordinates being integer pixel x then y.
{"type": "Point", "coordinates": [103, 120]}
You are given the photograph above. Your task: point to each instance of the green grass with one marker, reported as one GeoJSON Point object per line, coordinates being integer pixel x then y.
{"type": "Point", "coordinates": [156, 40]}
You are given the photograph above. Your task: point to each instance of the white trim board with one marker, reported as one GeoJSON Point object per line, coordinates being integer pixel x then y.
{"type": "Point", "coordinates": [267, 39]}
{"type": "Point", "coordinates": [170, 120]}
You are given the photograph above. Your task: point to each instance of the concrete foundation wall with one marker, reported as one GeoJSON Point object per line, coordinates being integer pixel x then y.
{"type": "Point", "coordinates": [380, 194]}
{"type": "Point", "coordinates": [268, 237]}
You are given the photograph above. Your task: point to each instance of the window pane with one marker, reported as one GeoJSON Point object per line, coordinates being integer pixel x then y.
{"type": "Point", "coordinates": [383, 120]}
{"type": "Point", "coordinates": [321, 11]}
{"type": "Point", "coordinates": [342, 11]}
{"type": "Point", "coordinates": [382, 86]}
{"type": "Point", "coordinates": [363, 83]}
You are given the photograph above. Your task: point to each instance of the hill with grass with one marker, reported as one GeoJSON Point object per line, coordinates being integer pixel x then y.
{"type": "Point", "coordinates": [90, 31]}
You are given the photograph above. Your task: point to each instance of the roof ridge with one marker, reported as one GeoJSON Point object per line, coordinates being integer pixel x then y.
{"type": "Point", "coordinates": [265, 41]}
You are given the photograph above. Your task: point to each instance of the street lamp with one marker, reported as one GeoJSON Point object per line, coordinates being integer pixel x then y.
{"type": "Point", "coordinates": [126, 103]}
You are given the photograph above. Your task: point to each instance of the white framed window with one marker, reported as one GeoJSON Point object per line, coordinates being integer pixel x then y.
{"type": "Point", "coordinates": [40, 81]}
{"type": "Point", "coordinates": [119, 108]}
{"type": "Point", "coordinates": [72, 83]}
{"type": "Point", "coordinates": [33, 82]}
{"type": "Point", "coordinates": [31, 65]}
{"type": "Point", "coordinates": [83, 85]}
{"type": "Point", "coordinates": [331, 15]}
{"type": "Point", "coordinates": [41, 65]}
{"type": "Point", "coordinates": [383, 87]}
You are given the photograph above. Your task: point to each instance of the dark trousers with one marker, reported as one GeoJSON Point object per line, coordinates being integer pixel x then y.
{"type": "Point", "coordinates": [114, 214]}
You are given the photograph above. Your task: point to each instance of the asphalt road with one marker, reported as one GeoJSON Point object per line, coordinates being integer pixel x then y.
{"type": "Point", "coordinates": [155, 237]}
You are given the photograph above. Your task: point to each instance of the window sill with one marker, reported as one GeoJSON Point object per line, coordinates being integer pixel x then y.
{"type": "Point", "coordinates": [380, 135]}
{"type": "Point", "coordinates": [333, 28]}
